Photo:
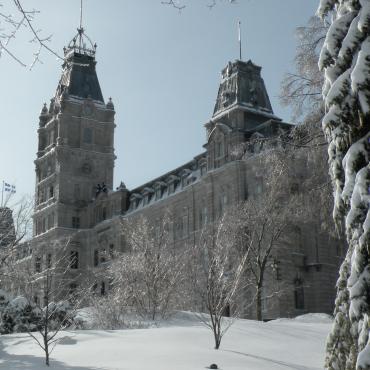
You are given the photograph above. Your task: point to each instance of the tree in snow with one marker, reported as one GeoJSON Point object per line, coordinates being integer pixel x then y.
{"type": "Point", "coordinates": [301, 89]}
{"type": "Point", "coordinates": [149, 274]}
{"type": "Point", "coordinates": [15, 226]}
{"type": "Point", "coordinates": [47, 281]}
{"type": "Point", "coordinates": [263, 226]}
{"type": "Point", "coordinates": [215, 267]}
{"type": "Point", "coordinates": [19, 315]}
{"type": "Point", "coordinates": [345, 61]}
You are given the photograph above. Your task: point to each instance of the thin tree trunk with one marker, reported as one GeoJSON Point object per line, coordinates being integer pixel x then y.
{"type": "Point", "coordinates": [217, 333]}
{"type": "Point", "coordinates": [46, 347]}
{"type": "Point", "coordinates": [259, 304]}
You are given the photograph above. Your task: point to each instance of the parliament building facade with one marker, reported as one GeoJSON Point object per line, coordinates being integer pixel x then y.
{"type": "Point", "coordinates": [75, 199]}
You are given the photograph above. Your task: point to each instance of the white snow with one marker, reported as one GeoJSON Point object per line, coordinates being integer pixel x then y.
{"type": "Point", "coordinates": [184, 344]}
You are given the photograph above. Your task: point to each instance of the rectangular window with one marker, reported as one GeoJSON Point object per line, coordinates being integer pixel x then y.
{"type": "Point", "coordinates": [111, 251]}
{"type": "Point", "coordinates": [38, 264]}
{"type": "Point", "coordinates": [103, 256]}
{"type": "Point", "coordinates": [51, 191]}
{"type": "Point", "coordinates": [158, 193]}
{"type": "Point", "coordinates": [299, 295]}
{"type": "Point", "coordinates": [74, 260]}
{"type": "Point", "coordinates": [87, 135]}
{"type": "Point", "coordinates": [203, 217]}
{"type": "Point", "coordinates": [185, 226]}
{"type": "Point", "coordinates": [77, 192]}
{"type": "Point", "coordinates": [171, 188]}
{"type": "Point", "coordinates": [48, 260]}
{"type": "Point", "coordinates": [96, 257]}
{"type": "Point", "coordinates": [76, 222]}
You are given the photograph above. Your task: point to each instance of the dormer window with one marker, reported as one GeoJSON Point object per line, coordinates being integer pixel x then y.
{"type": "Point", "coordinates": [134, 200]}
{"type": "Point", "coordinates": [158, 189]}
{"type": "Point", "coordinates": [172, 182]}
{"type": "Point", "coordinates": [171, 188]}
{"type": "Point", "coordinates": [87, 135]}
{"type": "Point", "coordinates": [147, 195]}
{"type": "Point", "coordinates": [203, 166]}
{"type": "Point", "coordinates": [185, 177]}
{"type": "Point", "coordinates": [219, 149]}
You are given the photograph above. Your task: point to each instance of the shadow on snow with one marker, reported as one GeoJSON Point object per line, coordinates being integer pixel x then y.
{"type": "Point", "coordinates": [29, 362]}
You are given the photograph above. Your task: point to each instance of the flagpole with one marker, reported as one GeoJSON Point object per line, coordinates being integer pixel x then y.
{"type": "Point", "coordinates": [2, 194]}
{"type": "Point", "coordinates": [240, 40]}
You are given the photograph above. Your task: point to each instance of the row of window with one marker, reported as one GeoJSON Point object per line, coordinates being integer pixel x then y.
{"type": "Point", "coordinates": [44, 193]}
{"type": "Point", "coordinates": [100, 256]}
{"type": "Point", "coordinates": [162, 189]}
{"type": "Point", "coordinates": [44, 224]}
{"type": "Point", "coordinates": [39, 262]}
{"type": "Point", "coordinates": [298, 292]}
{"type": "Point", "coordinates": [47, 138]}
{"type": "Point", "coordinates": [73, 261]}
{"type": "Point", "coordinates": [45, 170]}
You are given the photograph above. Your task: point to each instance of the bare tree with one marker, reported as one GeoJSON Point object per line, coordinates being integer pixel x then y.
{"type": "Point", "coordinates": [16, 19]}
{"type": "Point", "coordinates": [150, 272]}
{"type": "Point", "coordinates": [181, 4]}
{"type": "Point", "coordinates": [301, 89]}
{"type": "Point", "coordinates": [15, 227]}
{"type": "Point", "coordinates": [216, 269]}
{"type": "Point", "coordinates": [46, 279]}
{"type": "Point", "coordinates": [264, 224]}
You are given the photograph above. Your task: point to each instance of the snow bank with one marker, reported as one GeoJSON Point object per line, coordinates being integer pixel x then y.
{"type": "Point", "coordinates": [290, 344]}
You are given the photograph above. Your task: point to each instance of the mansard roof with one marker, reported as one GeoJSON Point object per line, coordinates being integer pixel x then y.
{"type": "Point", "coordinates": [79, 77]}
{"type": "Point", "coordinates": [242, 85]}
{"type": "Point", "coordinates": [172, 175]}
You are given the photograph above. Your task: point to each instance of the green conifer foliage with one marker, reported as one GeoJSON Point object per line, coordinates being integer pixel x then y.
{"type": "Point", "coordinates": [345, 60]}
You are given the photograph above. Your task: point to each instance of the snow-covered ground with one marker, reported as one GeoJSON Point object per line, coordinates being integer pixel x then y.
{"type": "Point", "coordinates": [184, 344]}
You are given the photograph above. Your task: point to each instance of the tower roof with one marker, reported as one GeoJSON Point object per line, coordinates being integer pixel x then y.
{"type": "Point", "coordinates": [242, 85]}
{"type": "Point", "coordinates": [79, 78]}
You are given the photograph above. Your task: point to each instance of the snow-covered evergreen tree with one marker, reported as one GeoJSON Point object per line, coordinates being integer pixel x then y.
{"type": "Point", "coordinates": [345, 60]}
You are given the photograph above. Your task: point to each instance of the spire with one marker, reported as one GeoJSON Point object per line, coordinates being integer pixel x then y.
{"type": "Point", "coordinates": [81, 43]}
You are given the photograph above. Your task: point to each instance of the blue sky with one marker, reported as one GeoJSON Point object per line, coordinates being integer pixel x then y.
{"type": "Point", "coordinates": [161, 68]}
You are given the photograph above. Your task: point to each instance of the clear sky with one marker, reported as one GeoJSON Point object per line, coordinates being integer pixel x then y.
{"type": "Point", "coordinates": [161, 68]}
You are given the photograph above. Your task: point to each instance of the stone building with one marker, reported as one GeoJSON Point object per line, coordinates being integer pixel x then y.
{"type": "Point", "coordinates": [7, 230]}
{"type": "Point", "coordinates": [74, 180]}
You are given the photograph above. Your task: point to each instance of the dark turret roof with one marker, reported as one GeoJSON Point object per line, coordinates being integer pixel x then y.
{"type": "Point", "coordinates": [79, 76]}
{"type": "Point", "coordinates": [242, 85]}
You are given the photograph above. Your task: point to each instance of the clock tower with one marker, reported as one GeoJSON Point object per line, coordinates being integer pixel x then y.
{"type": "Point", "coordinates": [75, 143]}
